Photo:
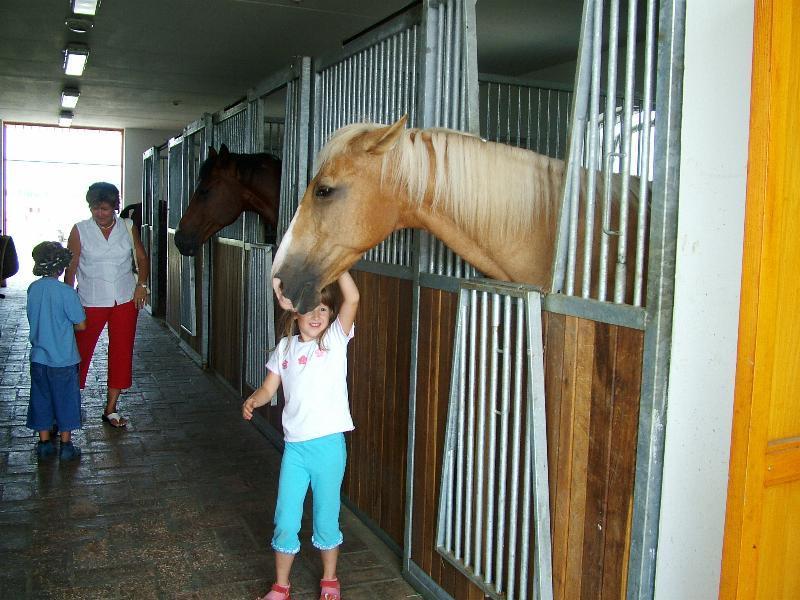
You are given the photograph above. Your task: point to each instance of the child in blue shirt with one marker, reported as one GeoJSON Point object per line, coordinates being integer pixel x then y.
{"type": "Point", "coordinates": [54, 313]}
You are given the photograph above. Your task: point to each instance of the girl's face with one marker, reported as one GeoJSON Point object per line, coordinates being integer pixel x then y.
{"type": "Point", "coordinates": [103, 214]}
{"type": "Point", "coordinates": [313, 323]}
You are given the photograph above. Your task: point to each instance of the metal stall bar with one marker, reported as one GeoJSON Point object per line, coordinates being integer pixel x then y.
{"type": "Point", "coordinates": [372, 79]}
{"type": "Point", "coordinates": [606, 186]}
{"type": "Point", "coordinates": [449, 99]}
{"type": "Point", "coordinates": [497, 384]}
{"type": "Point", "coordinates": [295, 156]}
{"type": "Point", "coordinates": [149, 162]}
{"type": "Point", "coordinates": [261, 328]}
{"type": "Point", "coordinates": [660, 293]}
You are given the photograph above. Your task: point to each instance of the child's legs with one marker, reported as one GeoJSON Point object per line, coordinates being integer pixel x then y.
{"type": "Point", "coordinates": [292, 489]}
{"type": "Point", "coordinates": [121, 331]}
{"type": "Point", "coordinates": [96, 318]}
{"type": "Point", "coordinates": [40, 407]}
{"type": "Point", "coordinates": [66, 399]}
{"type": "Point", "coordinates": [327, 472]}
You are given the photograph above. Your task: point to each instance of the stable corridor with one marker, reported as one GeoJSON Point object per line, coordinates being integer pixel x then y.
{"type": "Point", "coordinates": [179, 505]}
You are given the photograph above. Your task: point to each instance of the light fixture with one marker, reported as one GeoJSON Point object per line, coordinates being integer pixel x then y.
{"type": "Point", "coordinates": [75, 57]}
{"type": "Point", "coordinates": [79, 23]}
{"type": "Point", "coordinates": [65, 118]}
{"type": "Point", "coordinates": [85, 7]}
{"type": "Point", "coordinates": [69, 97]}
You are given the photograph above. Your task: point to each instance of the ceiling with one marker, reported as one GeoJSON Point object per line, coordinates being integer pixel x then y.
{"type": "Point", "coordinates": [160, 64]}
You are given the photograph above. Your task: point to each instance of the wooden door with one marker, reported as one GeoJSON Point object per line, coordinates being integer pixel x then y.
{"type": "Point", "coordinates": [762, 529]}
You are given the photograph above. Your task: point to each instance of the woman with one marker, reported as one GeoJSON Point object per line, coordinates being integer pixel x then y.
{"type": "Point", "coordinates": [110, 291]}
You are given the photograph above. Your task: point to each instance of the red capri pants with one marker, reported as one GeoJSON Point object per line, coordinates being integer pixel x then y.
{"type": "Point", "coordinates": [121, 320]}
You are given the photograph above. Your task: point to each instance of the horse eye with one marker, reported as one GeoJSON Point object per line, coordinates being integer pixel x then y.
{"type": "Point", "coordinates": [323, 191]}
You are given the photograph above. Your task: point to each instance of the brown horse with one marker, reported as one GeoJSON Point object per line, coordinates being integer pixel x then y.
{"type": "Point", "coordinates": [228, 185]}
{"type": "Point", "coordinates": [495, 205]}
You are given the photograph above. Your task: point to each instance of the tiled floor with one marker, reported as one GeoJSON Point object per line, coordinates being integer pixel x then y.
{"type": "Point", "coordinates": [179, 505]}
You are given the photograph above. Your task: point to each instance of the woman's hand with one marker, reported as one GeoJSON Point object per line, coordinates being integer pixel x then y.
{"type": "Point", "coordinates": [139, 296]}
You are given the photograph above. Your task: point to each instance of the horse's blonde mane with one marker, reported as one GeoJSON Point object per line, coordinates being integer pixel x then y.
{"type": "Point", "coordinates": [483, 186]}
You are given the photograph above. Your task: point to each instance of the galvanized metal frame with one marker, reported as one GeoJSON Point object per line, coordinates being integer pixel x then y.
{"type": "Point", "coordinates": [472, 528]}
{"type": "Point", "coordinates": [660, 295]}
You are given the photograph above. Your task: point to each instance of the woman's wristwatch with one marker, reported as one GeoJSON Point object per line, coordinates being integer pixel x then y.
{"type": "Point", "coordinates": [143, 285]}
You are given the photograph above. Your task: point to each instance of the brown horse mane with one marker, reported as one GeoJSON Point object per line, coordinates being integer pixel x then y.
{"type": "Point", "coordinates": [245, 163]}
{"type": "Point", "coordinates": [466, 172]}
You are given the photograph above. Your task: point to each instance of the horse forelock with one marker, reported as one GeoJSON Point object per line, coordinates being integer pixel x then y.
{"type": "Point", "coordinates": [484, 186]}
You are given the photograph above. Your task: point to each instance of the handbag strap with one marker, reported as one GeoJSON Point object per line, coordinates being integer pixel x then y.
{"type": "Point", "coordinates": [129, 227]}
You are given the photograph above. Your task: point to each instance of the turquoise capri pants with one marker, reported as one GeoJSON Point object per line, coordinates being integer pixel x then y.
{"type": "Point", "coordinates": [319, 462]}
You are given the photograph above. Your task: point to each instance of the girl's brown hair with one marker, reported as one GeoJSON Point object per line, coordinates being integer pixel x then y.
{"type": "Point", "coordinates": [330, 296]}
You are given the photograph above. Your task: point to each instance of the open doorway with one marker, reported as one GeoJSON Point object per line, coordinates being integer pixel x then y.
{"type": "Point", "coordinates": [47, 171]}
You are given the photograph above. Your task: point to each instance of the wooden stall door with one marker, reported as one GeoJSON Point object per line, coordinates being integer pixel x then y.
{"type": "Point", "coordinates": [762, 529]}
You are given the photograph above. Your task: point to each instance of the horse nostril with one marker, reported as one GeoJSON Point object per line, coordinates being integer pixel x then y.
{"type": "Point", "coordinates": [186, 244]}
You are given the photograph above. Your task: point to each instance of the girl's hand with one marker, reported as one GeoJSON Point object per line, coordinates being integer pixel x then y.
{"type": "Point", "coordinates": [283, 301]}
{"type": "Point", "coordinates": [248, 407]}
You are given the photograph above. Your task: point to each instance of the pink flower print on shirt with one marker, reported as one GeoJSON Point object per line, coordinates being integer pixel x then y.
{"type": "Point", "coordinates": [303, 359]}
{"type": "Point", "coordinates": [285, 364]}
{"type": "Point", "coordinates": [319, 352]}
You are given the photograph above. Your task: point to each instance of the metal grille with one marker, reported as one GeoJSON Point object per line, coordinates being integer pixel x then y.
{"type": "Point", "coordinates": [260, 311]}
{"type": "Point", "coordinates": [188, 304]}
{"type": "Point", "coordinates": [175, 187]}
{"type": "Point", "coordinates": [230, 128]}
{"type": "Point", "coordinates": [609, 135]}
{"type": "Point", "coordinates": [294, 163]}
{"type": "Point", "coordinates": [376, 83]}
{"type": "Point", "coordinates": [451, 81]}
{"type": "Point", "coordinates": [494, 497]}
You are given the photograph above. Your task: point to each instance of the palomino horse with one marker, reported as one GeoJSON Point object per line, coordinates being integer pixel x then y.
{"type": "Point", "coordinates": [495, 205]}
{"type": "Point", "coordinates": [228, 185]}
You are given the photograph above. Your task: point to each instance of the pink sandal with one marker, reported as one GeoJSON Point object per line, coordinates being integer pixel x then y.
{"type": "Point", "coordinates": [277, 592]}
{"type": "Point", "coordinates": [329, 589]}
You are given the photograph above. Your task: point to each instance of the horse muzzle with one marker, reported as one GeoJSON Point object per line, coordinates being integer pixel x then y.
{"type": "Point", "coordinates": [301, 286]}
{"type": "Point", "coordinates": [186, 243]}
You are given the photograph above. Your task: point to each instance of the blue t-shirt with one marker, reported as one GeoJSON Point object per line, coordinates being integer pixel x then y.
{"type": "Point", "coordinates": [53, 308]}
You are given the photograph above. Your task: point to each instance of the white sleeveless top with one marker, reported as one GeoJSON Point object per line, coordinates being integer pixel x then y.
{"type": "Point", "coordinates": [104, 272]}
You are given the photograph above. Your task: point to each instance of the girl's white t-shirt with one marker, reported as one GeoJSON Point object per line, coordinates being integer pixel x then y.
{"type": "Point", "coordinates": [314, 384]}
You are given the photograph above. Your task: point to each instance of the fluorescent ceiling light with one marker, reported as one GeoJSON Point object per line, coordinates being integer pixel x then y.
{"type": "Point", "coordinates": [65, 118]}
{"type": "Point", "coordinates": [75, 57]}
{"type": "Point", "coordinates": [69, 97]}
{"type": "Point", "coordinates": [79, 23]}
{"type": "Point", "coordinates": [85, 7]}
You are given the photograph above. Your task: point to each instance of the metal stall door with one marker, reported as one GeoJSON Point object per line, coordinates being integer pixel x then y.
{"type": "Point", "coordinates": [278, 115]}
{"type": "Point", "coordinates": [624, 142]}
{"type": "Point", "coordinates": [154, 225]}
{"type": "Point", "coordinates": [149, 161]}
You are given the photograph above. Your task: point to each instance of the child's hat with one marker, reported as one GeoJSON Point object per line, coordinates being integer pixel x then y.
{"type": "Point", "coordinates": [49, 258]}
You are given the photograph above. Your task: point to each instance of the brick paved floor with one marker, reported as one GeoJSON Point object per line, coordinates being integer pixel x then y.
{"type": "Point", "coordinates": [179, 505]}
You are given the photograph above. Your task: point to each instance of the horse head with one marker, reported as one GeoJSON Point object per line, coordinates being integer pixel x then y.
{"type": "Point", "coordinates": [214, 202]}
{"type": "Point", "coordinates": [344, 212]}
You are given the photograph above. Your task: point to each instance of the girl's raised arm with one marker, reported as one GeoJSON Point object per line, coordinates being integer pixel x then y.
{"type": "Point", "coordinates": [350, 297]}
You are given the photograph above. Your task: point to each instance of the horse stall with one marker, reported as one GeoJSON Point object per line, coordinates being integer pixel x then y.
{"type": "Point", "coordinates": [154, 225]}
{"type": "Point", "coordinates": [508, 438]}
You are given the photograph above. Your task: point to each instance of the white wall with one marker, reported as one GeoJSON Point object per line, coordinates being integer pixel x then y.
{"type": "Point", "coordinates": [713, 172]}
{"type": "Point", "coordinates": [136, 142]}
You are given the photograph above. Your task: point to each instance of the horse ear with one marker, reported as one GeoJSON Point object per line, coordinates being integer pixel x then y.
{"type": "Point", "coordinates": [223, 151]}
{"type": "Point", "coordinates": [387, 137]}
{"type": "Point", "coordinates": [211, 152]}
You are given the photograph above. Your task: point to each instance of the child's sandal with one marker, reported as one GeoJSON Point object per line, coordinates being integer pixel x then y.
{"type": "Point", "coordinates": [277, 592]}
{"type": "Point", "coordinates": [329, 589]}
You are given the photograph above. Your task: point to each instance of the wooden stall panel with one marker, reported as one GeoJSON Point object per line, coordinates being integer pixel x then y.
{"type": "Point", "coordinates": [592, 380]}
{"type": "Point", "coordinates": [378, 366]}
{"type": "Point", "coordinates": [226, 318]}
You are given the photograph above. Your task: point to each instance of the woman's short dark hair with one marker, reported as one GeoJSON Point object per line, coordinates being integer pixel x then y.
{"type": "Point", "coordinates": [102, 192]}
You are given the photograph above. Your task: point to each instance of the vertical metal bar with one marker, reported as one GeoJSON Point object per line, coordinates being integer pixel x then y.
{"type": "Point", "coordinates": [660, 293]}
{"type": "Point", "coordinates": [471, 400]}
{"type": "Point", "coordinates": [502, 483]}
{"type": "Point", "coordinates": [644, 175]}
{"type": "Point", "coordinates": [537, 438]}
{"type": "Point", "coordinates": [460, 450]}
{"type": "Point", "coordinates": [492, 454]}
{"type": "Point", "coordinates": [481, 432]}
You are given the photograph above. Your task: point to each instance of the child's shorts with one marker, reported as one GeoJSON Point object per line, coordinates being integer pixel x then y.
{"type": "Point", "coordinates": [55, 398]}
{"type": "Point", "coordinates": [319, 463]}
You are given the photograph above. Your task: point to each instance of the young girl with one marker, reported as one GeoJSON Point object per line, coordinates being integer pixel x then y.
{"type": "Point", "coordinates": [312, 367]}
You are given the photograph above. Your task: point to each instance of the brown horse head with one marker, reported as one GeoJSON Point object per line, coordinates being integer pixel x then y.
{"type": "Point", "coordinates": [228, 184]}
{"type": "Point", "coordinates": [345, 211]}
